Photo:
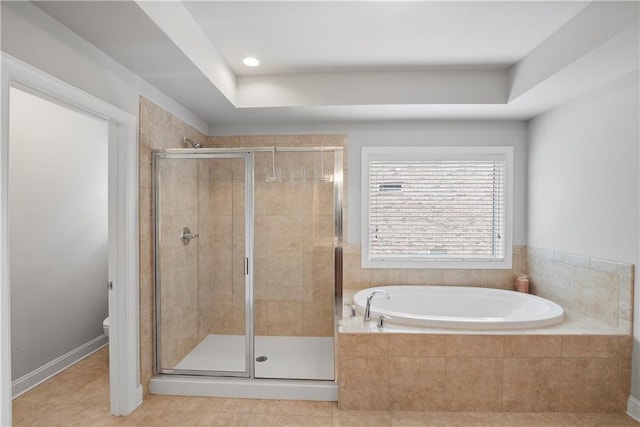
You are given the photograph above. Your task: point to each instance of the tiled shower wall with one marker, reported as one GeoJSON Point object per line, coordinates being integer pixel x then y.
{"type": "Point", "coordinates": [597, 288]}
{"type": "Point", "coordinates": [158, 130]}
{"type": "Point", "coordinates": [221, 247]}
{"type": "Point", "coordinates": [294, 282]}
{"type": "Point", "coordinates": [293, 236]}
{"type": "Point", "coordinates": [178, 263]}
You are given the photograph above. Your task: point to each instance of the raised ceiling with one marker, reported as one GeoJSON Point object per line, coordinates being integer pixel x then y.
{"type": "Point", "coordinates": [337, 61]}
{"type": "Point", "coordinates": [337, 36]}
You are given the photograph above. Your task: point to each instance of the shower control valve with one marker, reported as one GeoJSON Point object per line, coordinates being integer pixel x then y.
{"type": "Point", "coordinates": [187, 236]}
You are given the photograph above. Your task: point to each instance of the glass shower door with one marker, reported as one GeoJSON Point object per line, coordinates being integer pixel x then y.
{"type": "Point", "coordinates": [202, 286]}
{"type": "Point", "coordinates": [294, 283]}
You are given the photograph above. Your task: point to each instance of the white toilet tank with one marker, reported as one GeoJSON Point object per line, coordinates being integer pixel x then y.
{"type": "Point", "coordinates": [105, 326]}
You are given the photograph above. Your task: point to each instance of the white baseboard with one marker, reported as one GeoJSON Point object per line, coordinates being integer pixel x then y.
{"type": "Point", "coordinates": [40, 375]}
{"type": "Point", "coordinates": [633, 408]}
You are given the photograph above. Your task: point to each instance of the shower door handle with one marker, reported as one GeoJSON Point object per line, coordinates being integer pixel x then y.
{"type": "Point", "coordinates": [187, 236]}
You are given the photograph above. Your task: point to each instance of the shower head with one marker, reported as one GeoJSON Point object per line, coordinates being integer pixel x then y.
{"type": "Point", "coordinates": [193, 144]}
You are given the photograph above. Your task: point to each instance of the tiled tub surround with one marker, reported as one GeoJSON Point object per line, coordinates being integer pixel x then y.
{"type": "Point", "coordinates": [580, 365]}
{"type": "Point", "coordinates": [355, 277]}
{"type": "Point", "coordinates": [597, 288]}
{"type": "Point", "coordinates": [495, 373]}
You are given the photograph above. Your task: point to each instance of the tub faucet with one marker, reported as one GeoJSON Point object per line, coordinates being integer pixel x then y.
{"type": "Point", "coordinates": [367, 309]}
{"type": "Point", "coordinates": [381, 320]}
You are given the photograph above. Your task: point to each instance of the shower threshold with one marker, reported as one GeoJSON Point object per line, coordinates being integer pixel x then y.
{"type": "Point", "coordinates": [299, 368]}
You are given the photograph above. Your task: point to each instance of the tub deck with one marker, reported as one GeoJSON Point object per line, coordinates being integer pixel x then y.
{"type": "Point", "coordinates": [579, 365]}
{"type": "Point", "coordinates": [574, 323]}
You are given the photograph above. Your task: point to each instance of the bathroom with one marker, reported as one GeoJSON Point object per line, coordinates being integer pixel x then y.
{"type": "Point", "coordinates": [575, 204]}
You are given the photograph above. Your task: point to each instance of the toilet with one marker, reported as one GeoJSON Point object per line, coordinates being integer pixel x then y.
{"type": "Point", "coordinates": [105, 326]}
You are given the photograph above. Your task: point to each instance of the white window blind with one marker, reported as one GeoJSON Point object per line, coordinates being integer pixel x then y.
{"type": "Point", "coordinates": [443, 209]}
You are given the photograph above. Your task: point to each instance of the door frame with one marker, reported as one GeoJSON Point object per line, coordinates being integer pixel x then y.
{"type": "Point", "coordinates": [195, 155]}
{"type": "Point", "coordinates": [124, 348]}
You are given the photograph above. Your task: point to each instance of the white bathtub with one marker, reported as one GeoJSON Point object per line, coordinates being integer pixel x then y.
{"type": "Point", "coordinates": [460, 307]}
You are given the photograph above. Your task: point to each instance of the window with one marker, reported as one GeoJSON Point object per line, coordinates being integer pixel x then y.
{"type": "Point", "coordinates": [437, 207]}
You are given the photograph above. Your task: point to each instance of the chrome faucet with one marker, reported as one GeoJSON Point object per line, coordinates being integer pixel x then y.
{"type": "Point", "coordinates": [367, 309]}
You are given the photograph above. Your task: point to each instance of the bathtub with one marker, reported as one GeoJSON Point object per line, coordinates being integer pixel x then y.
{"type": "Point", "coordinates": [460, 307]}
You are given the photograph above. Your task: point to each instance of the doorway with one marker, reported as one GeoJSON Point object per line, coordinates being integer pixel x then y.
{"type": "Point", "coordinates": [124, 372]}
{"type": "Point", "coordinates": [58, 237]}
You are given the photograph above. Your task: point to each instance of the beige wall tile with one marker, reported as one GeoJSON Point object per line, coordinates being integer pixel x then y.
{"type": "Point", "coordinates": [256, 140]}
{"type": "Point", "coordinates": [215, 197]}
{"type": "Point", "coordinates": [318, 267]}
{"type": "Point", "coordinates": [317, 320]}
{"type": "Point", "coordinates": [502, 279]}
{"type": "Point", "coordinates": [625, 346]}
{"type": "Point", "coordinates": [625, 298]}
{"type": "Point", "coordinates": [519, 249]}
{"type": "Point", "coordinates": [473, 384]}
{"type": "Point", "coordinates": [144, 163]}
{"type": "Point", "coordinates": [531, 385]}
{"type": "Point", "coordinates": [624, 374]}
{"type": "Point", "coordinates": [284, 318]}
{"type": "Point", "coordinates": [577, 260]}
{"type": "Point", "coordinates": [596, 293]}
{"type": "Point", "coordinates": [591, 385]}
{"type": "Point", "coordinates": [553, 280]}
{"type": "Point", "coordinates": [520, 264]}
{"type": "Point", "coordinates": [625, 326]}
{"type": "Point", "coordinates": [590, 346]}
{"type": "Point", "coordinates": [532, 346]}
{"type": "Point", "coordinates": [419, 345]}
{"type": "Point", "coordinates": [597, 288]}
{"type": "Point", "coordinates": [462, 277]}
{"type": "Point", "coordinates": [416, 383]}
{"type": "Point", "coordinates": [361, 382]}
{"type": "Point", "coordinates": [364, 344]}
{"type": "Point", "coordinates": [475, 346]}
{"type": "Point", "coordinates": [610, 266]}
{"type": "Point", "coordinates": [425, 277]}
{"type": "Point", "coordinates": [354, 277]}
{"type": "Point", "coordinates": [283, 268]}
{"type": "Point", "coordinates": [388, 276]}
{"type": "Point", "coordinates": [260, 317]}
{"type": "Point", "coordinates": [284, 232]}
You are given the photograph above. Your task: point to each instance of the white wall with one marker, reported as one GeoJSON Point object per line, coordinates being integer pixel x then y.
{"type": "Point", "coordinates": [34, 37]}
{"type": "Point", "coordinates": [30, 35]}
{"type": "Point", "coordinates": [583, 182]}
{"type": "Point", "coordinates": [583, 175]}
{"type": "Point", "coordinates": [448, 133]}
{"type": "Point", "coordinates": [57, 230]}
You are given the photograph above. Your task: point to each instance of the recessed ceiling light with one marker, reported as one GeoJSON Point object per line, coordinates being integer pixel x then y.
{"type": "Point", "coordinates": [250, 61]}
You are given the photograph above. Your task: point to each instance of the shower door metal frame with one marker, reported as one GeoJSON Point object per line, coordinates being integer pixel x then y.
{"type": "Point", "coordinates": [248, 154]}
{"type": "Point", "coordinates": [199, 154]}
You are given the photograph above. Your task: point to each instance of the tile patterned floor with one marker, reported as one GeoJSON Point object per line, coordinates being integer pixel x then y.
{"type": "Point", "coordinates": [79, 397]}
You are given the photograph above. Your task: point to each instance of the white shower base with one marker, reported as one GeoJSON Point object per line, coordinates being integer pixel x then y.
{"type": "Point", "coordinates": [309, 358]}
{"type": "Point", "coordinates": [297, 368]}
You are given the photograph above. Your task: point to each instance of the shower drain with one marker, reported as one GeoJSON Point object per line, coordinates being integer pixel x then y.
{"type": "Point", "coordinates": [261, 359]}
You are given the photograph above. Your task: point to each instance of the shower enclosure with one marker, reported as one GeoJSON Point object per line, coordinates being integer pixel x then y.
{"type": "Point", "coordinates": [247, 263]}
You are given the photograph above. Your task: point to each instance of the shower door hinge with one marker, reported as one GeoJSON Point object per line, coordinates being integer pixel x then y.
{"type": "Point", "coordinates": [109, 285]}
{"type": "Point", "coordinates": [246, 265]}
